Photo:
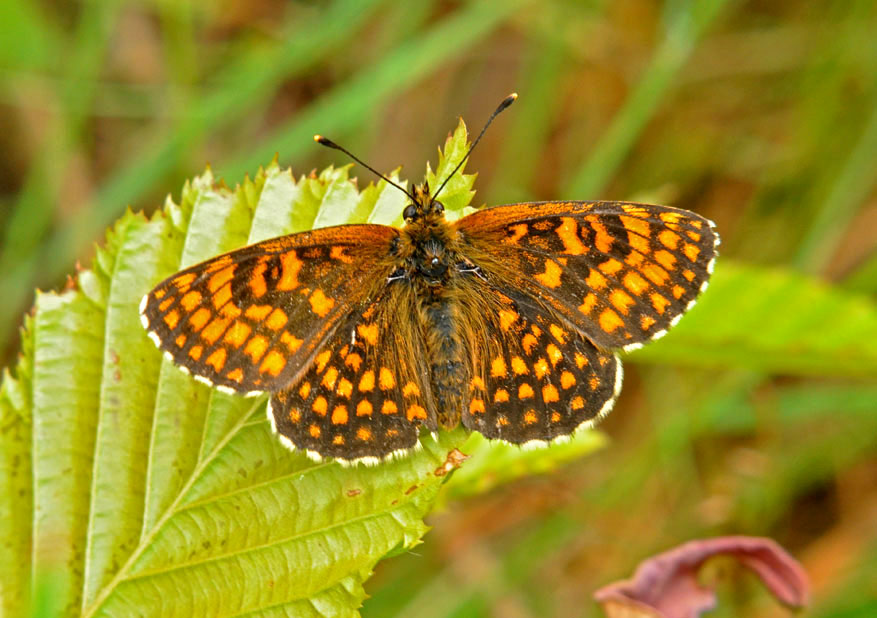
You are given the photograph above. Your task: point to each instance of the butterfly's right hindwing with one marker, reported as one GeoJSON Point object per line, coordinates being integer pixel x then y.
{"type": "Point", "coordinates": [367, 393]}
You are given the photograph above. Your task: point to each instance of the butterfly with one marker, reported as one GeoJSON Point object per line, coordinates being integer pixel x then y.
{"type": "Point", "coordinates": [506, 320]}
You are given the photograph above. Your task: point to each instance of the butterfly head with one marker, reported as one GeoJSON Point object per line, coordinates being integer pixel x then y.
{"type": "Point", "coordinates": [423, 207]}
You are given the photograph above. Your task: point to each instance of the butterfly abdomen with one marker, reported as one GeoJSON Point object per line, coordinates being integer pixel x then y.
{"type": "Point", "coordinates": [448, 374]}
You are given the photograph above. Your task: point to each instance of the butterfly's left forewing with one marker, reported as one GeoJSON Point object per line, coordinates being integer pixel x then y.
{"type": "Point", "coordinates": [253, 319]}
{"type": "Point", "coordinates": [620, 273]}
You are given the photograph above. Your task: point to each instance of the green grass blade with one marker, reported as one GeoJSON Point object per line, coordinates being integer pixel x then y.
{"type": "Point", "coordinates": [864, 278]}
{"type": "Point", "coordinates": [687, 22]}
{"type": "Point", "coordinates": [856, 180]}
{"type": "Point", "coordinates": [350, 103]}
{"type": "Point", "coordinates": [530, 124]}
{"type": "Point", "coordinates": [29, 40]}
{"type": "Point", "coordinates": [32, 213]}
{"type": "Point", "coordinates": [33, 210]}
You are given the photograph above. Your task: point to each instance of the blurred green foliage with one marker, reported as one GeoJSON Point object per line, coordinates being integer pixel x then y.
{"type": "Point", "coordinates": [761, 116]}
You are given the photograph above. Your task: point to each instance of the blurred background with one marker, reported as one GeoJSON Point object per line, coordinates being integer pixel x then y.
{"type": "Point", "coordinates": [759, 115]}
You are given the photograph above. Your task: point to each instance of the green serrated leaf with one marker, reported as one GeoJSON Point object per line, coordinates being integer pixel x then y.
{"type": "Point", "coordinates": [458, 192]}
{"type": "Point", "coordinates": [16, 482]}
{"type": "Point", "coordinates": [134, 489]}
{"type": "Point", "coordinates": [388, 203]}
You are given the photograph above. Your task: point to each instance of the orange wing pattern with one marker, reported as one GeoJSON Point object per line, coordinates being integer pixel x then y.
{"type": "Point", "coordinates": [534, 378]}
{"type": "Point", "coordinates": [366, 395]}
{"type": "Point", "coordinates": [621, 273]}
{"type": "Point", "coordinates": [254, 319]}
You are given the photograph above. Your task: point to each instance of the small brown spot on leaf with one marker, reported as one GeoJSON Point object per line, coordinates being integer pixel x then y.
{"type": "Point", "coordinates": [454, 460]}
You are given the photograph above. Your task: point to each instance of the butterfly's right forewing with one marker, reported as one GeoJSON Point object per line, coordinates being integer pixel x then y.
{"type": "Point", "coordinates": [253, 319]}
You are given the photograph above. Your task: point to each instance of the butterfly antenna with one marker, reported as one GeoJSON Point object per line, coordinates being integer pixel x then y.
{"type": "Point", "coordinates": [330, 144]}
{"type": "Point", "coordinates": [505, 103]}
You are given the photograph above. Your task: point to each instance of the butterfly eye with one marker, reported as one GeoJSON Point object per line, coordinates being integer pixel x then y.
{"type": "Point", "coordinates": [438, 207]}
{"type": "Point", "coordinates": [409, 211]}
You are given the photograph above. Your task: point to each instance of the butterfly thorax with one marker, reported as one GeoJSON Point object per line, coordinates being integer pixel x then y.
{"type": "Point", "coordinates": [426, 253]}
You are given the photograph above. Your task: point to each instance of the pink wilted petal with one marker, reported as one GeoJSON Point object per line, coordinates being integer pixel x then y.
{"type": "Point", "coordinates": [666, 586]}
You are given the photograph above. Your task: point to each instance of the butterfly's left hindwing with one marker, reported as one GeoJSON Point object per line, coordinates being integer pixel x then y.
{"type": "Point", "coordinates": [253, 319]}
{"type": "Point", "coordinates": [535, 379]}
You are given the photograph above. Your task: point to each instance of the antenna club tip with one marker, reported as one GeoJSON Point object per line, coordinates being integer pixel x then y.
{"type": "Point", "coordinates": [325, 142]}
{"type": "Point", "coordinates": [507, 101]}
